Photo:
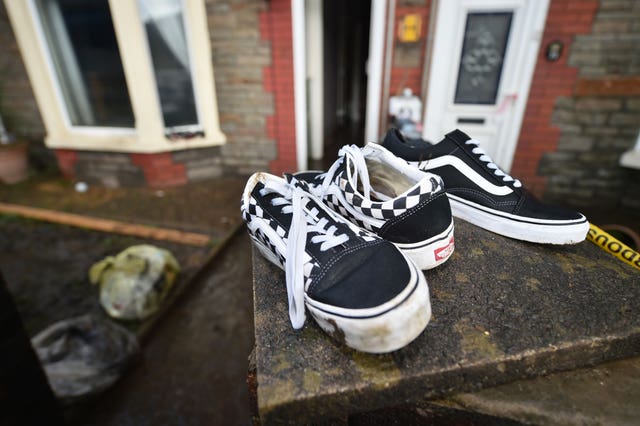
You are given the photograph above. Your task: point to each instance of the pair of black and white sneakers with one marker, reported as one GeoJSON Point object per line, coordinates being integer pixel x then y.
{"type": "Point", "coordinates": [352, 242]}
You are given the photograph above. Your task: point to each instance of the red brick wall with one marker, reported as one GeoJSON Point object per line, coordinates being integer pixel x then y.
{"type": "Point", "coordinates": [551, 80]}
{"type": "Point", "coordinates": [67, 159]}
{"type": "Point", "coordinates": [160, 170]}
{"type": "Point", "coordinates": [275, 26]}
{"type": "Point", "coordinates": [404, 73]}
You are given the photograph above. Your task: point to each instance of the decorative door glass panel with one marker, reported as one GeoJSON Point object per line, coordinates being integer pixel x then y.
{"type": "Point", "coordinates": [485, 43]}
{"type": "Point", "coordinates": [164, 25]}
{"type": "Point", "coordinates": [84, 54]}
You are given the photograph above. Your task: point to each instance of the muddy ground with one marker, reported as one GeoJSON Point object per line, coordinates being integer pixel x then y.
{"type": "Point", "coordinates": [194, 359]}
{"type": "Point", "coordinates": [193, 367]}
{"type": "Point", "coordinates": [211, 207]}
{"type": "Point", "coordinates": [46, 267]}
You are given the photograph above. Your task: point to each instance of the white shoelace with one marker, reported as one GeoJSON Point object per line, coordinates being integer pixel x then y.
{"type": "Point", "coordinates": [292, 199]}
{"type": "Point", "coordinates": [355, 155]}
{"type": "Point", "coordinates": [490, 164]}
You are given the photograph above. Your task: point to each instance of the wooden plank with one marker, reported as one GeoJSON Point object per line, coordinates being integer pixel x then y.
{"type": "Point", "coordinates": [106, 225]}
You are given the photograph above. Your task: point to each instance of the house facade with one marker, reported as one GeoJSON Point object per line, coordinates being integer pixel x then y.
{"type": "Point", "coordinates": [163, 93]}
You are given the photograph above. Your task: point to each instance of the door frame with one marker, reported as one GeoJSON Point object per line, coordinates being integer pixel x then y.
{"type": "Point", "coordinates": [440, 77]}
{"type": "Point", "coordinates": [375, 70]}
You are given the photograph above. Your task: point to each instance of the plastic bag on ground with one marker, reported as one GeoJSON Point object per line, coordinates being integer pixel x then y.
{"type": "Point", "coordinates": [134, 283]}
{"type": "Point", "coordinates": [83, 356]}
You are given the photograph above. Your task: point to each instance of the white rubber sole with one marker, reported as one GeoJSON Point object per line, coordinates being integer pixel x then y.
{"type": "Point", "coordinates": [432, 252]}
{"type": "Point", "coordinates": [520, 228]}
{"type": "Point", "coordinates": [382, 329]}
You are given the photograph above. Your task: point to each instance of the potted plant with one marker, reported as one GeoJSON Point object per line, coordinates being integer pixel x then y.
{"type": "Point", "coordinates": [14, 164]}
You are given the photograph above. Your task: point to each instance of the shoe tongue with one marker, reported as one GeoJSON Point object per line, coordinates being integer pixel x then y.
{"type": "Point", "coordinates": [394, 135]}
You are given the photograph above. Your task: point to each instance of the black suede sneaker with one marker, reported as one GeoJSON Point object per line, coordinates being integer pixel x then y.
{"type": "Point", "coordinates": [380, 192]}
{"type": "Point", "coordinates": [357, 286]}
{"type": "Point", "coordinates": [483, 194]}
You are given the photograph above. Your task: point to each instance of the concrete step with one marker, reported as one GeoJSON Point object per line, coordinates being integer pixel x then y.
{"type": "Point", "coordinates": [607, 394]}
{"type": "Point", "coordinates": [503, 310]}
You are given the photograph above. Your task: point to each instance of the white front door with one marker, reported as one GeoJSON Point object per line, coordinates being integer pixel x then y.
{"type": "Point", "coordinates": [482, 63]}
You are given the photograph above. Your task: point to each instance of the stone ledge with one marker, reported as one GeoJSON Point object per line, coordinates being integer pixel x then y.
{"type": "Point", "coordinates": [502, 310]}
{"type": "Point", "coordinates": [607, 394]}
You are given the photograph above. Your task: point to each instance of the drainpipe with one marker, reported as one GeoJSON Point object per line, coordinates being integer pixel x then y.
{"type": "Point", "coordinates": [299, 81]}
{"type": "Point", "coordinates": [374, 70]}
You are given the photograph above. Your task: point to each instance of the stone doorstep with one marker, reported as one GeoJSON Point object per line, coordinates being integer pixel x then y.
{"type": "Point", "coordinates": [607, 394]}
{"type": "Point", "coordinates": [503, 310]}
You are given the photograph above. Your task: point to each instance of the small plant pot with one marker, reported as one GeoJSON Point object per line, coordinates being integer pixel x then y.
{"type": "Point", "coordinates": [14, 164]}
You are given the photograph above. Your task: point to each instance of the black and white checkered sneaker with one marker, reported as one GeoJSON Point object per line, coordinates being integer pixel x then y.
{"type": "Point", "coordinates": [358, 287]}
{"type": "Point", "coordinates": [381, 193]}
{"type": "Point", "coordinates": [483, 194]}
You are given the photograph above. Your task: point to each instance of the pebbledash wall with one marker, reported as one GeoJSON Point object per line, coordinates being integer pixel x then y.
{"type": "Point", "coordinates": [583, 110]}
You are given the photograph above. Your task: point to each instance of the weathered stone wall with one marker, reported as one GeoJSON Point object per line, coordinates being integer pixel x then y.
{"type": "Point", "coordinates": [601, 120]}
{"type": "Point", "coordinates": [17, 102]}
{"type": "Point", "coordinates": [239, 56]}
{"type": "Point", "coordinates": [566, 19]}
{"type": "Point", "coordinates": [18, 105]}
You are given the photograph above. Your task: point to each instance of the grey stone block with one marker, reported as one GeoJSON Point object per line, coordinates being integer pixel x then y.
{"type": "Point", "coordinates": [563, 116]}
{"type": "Point", "coordinates": [594, 119]}
{"type": "Point", "coordinates": [592, 103]}
{"type": "Point", "coordinates": [616, 5]}
{"type": "Point", "coordinates": [577, 59]}
{"type": "Point", "coordinates": [575, 143]}
{"type": "Point", "coordinates": [196, 154]}
{"type": "Point", "coordinates": [197, 174]}
{"type": "Point", "coordinates": [565, 102]}
{"type": "Point", "coordinates": [601, 131]}
{"type": "Point", "coordinates": [567, 128]}
{"type": "Point", "coordinates": [619, 144]}
{"type": "Point", "coordinates": [625, 119]}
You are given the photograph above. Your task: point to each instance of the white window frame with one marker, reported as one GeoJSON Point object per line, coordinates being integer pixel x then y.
{"type": "Point", "coordinates": [148, 135]}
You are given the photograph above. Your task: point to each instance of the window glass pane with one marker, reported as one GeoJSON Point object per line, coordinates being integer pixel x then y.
{"type": "Point", "coordinates": [485, 43]}
{"type": "Point", "coordinates": [83, 48]}
{"type": "Point", "coordinates": [164, 25]}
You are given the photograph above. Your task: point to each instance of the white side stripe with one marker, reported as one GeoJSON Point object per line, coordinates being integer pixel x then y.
{"type": "Point", "coordinates": [450, 160]}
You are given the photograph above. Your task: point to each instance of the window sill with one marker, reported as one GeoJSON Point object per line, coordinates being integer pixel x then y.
{"type": "Point", "coordinates": [130, 142]}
